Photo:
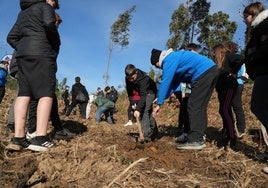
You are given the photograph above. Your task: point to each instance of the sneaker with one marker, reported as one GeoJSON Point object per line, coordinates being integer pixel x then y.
{"type": "Point", "coordinates": [128, 124]}
{"type": "Point", "coordinates": [264, 134]}
{"type": "Point", "coordinates": [30, 136]}
{"type": "Point", "coordinates": [64, 134]}
{"type": "Point", "coordinates": [192, 145]}
{"type": "Point", "coordinates": [265, 169]}
{"type": "Point", "coordinates": [40, 143]}
{"type": "Point", "coordinates": [17, 144]}
{"type": "Point", "coordinates": [181, 138]}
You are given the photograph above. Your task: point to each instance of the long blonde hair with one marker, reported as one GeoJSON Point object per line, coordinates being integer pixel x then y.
{"type": "Point", "coordinates": [218, 53]}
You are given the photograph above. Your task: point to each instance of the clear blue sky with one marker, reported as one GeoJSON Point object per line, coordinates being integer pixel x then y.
{"type": "Point", "coordinates": [85, 32]}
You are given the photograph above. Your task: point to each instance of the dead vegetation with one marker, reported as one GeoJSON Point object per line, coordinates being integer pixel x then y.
{"type": "Point", "coordinates": [106, 155]}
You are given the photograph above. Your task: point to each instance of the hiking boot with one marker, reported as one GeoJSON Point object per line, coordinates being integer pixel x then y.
{"type": "Point", "coordinates": [264, 134]}
{"type": "Point", "coordinates": [192, 145]}
{"type": "Point", "coordinates": [30, 136]}
{"type": "Point", "coordinates": [17, 144]}
{"type": "Point", "coordinates": [40, 143]}
{"type": "Point", "coordinates": [181, 138]}
{"type": "Point", "coordinates": [63, 134]}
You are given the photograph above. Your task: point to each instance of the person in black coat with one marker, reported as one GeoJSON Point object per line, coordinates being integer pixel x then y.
{"type": "Point", "coordinates": [78, 89]}
{"type": "Point", "coordinates": [256, 56]}
{"type": "Point", "coordinates": [66, 100]}
{"type": "Point", "coordinates": [138, 80]}
{"type": "Point", "coordinates": [37, 43]}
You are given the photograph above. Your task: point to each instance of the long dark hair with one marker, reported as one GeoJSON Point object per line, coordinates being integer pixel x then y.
{"type": "Point", "coordinates": [252, 9]}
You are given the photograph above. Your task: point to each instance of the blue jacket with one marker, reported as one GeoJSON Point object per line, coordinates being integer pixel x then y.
{"type": "Point", "coordinates": [181, 66]}
{"type": "Point", "coordinates": [3, 75]}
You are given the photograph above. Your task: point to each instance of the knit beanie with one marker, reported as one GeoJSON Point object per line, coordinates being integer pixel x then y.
{"type": "Point", "coordinates": [155, 54]}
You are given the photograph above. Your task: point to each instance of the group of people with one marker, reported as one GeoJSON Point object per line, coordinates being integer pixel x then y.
{"type": "Point", "coordinates": [36, 41]}
{"type": "Point", "coordinates": [104, 100]}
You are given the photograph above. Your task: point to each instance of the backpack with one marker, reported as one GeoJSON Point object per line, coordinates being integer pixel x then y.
{"type": "Point", "coordinates": [80, 97]}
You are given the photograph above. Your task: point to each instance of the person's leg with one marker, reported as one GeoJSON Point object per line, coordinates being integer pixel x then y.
{"type": "Point", "coordinates": [54, 116]}
{"type": "Point", "coordinates": [225, 99]}
{"type": "Point", "coordinates": [71, 107]}
{"type": "Point", "coordinates": [31, 128]}
{"type": "Point", "coordinates": [197, 104]}
{"type": "Point", "coordinates": [180, 115]}
{"type": "Point", "coordinates": [238, 109]}
{"type": "Point", "coordinates": [11, 119]}
{"type": "Point", "coordinates": [83, 107]}
{"type": "Point", "coordinates": [2, 92]}
{"type": "Point", "coordinates": [146, 116]}
{"type": "Point", "coordinates": [259, 100]}
{"type": "Point", "coordinates": [99, 112]}
{"type": "Point", "coordinates": [20, 114]}
{"type": "Point", "coordinates": [19, 140]}
{"type": "Point", "coordinates": [43, 113]}
{"type": "Point", "coordinates": [109, 115]}
{"type": "Point", "coordinates": [66, 105]}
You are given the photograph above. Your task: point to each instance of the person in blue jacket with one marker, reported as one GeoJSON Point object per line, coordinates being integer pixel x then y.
{"type": "Point", "coordinates": [198, 71]}
{"type": "Point", "coordinates": [3, 78]}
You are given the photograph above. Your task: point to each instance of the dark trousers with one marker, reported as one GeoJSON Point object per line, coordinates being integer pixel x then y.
{"type": "Point", "coordinates": [2, 92]}
{"type": "Point", "coordinates": [201, 92]}
{"type": "Point", "coordinates": [259, 99]}
{"type": "Point", "coordinates": [225, 99]}
{"type": "Point", "coordinates": [148, 122]}
{"type": "Point", "coordinates": [238, 109]}
{"type": "Point", "coordinates": [66, 105]}
{"type": "Point", "coordinates": [183, 117]}
{"type": "Point", "coordinates": [82, 107]}
{"type": "Point", "coordinates": [54, 115]}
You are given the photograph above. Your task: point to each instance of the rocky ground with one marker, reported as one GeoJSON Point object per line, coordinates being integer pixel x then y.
{"type": "Point", "coordinates": [106, 155]}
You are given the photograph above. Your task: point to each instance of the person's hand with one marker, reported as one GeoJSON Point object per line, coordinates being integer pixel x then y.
{"type": "Point", "coordinates": [134, 106]}
{"type": "Point", "coordinates": [156, 110]}
{"type": "Point", "coordinates": [136, 114]}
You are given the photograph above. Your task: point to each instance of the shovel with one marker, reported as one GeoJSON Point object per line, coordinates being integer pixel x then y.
{"type": "Point", "coordinates": [140, 130]}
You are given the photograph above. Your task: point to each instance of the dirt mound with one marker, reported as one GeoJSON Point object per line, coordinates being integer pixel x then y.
{"type": "Point", "coordinates": [104, 155]}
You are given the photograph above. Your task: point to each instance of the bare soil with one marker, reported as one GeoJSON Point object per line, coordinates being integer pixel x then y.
{"type": "Point", "coordinates": [106, 155]}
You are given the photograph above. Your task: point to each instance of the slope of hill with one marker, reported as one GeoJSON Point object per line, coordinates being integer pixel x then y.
{"type": "Point", "coordinates": [106, 155]}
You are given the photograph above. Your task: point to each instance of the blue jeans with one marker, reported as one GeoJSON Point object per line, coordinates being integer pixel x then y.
{"type": "Point", "coordinates": [106, 111]}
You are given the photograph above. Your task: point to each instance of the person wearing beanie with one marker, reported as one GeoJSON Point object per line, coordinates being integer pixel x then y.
{"type": "Point", "coordinates": [192, 68]}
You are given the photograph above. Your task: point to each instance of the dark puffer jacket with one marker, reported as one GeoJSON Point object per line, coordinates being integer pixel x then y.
{"type": "Point", "coordinates": [35, 33]}
{"type": "Point", "coordinates": [143, 85]}
{"type": "Point", "coordinates": [256, 55]}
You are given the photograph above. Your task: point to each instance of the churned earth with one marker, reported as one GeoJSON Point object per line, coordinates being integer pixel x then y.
{"type": "Point", "coordinates": [104, 155]}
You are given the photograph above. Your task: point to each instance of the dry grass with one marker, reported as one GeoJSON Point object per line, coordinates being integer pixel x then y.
{"type": "Point", "coordinates": [105, 156]}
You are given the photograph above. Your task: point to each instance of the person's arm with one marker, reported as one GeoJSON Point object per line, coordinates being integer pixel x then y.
{"type": "Point", "coordinates": [13, 36]}
{"type": "Point", "coordinates": [49, 21]}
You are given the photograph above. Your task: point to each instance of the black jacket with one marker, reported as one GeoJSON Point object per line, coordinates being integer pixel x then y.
{"type": "Point", "coordinates": [35, 33]}
{"type": "Point", "coordinates": [256, 54]}
{"type": "Point", "coordinates": [230, 66]}
{"type": "Point", "coordinates": [79, 87]}
{"type": "Point", "coordinates": [13, 66]}
{"type": "Point", "coordinates": [144, 85]}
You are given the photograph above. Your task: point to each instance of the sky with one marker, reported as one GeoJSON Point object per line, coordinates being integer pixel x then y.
{"type": "Point", "coordinates": [85, 33]}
